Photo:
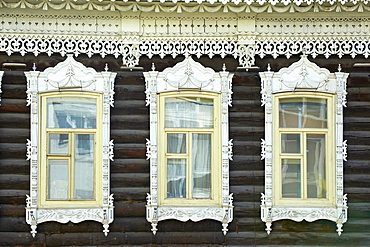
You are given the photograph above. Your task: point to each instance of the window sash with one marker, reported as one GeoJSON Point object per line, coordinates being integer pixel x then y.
{"type": "Point", "coordinates": [305, 179]}
{"type": "Point", "coordinates": [80, 152]}
{"type": "Point", "coordinates": [204, 190]}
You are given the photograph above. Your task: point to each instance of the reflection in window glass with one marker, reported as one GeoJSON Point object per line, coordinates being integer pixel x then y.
{"type": "Point", "coordinates": [58, 180]}
{"type": "Point", "coordinates": [176, 143]}
{"type": "Point", "coordinates": [176, 178]}
{"type": "Point", "coordinates": [316, 181]}
{"type": "Point", "coordinates": [303, 113]}
{"type": "Point", "coordinates": [58, 144]}
{"type": "Point", "coordinates": [290, 143]}
{"type": "Point", "coordinates": [84, 167]}
{"type": "Point", "coordinates": [69, 112]}
{"type": "Point", "coordinates": [188, 112]}
{"type": "Point", "coordinates": [201, 161]}
{"type": "Point", "coordinates": [291, 178]}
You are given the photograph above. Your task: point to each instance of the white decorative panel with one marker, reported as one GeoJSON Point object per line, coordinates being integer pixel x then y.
{"type": "Point", "coordinates": [303, 76]}
{"type": "Point", "coordinates": [191, 6]}
{"type": "Point", "coordinates": [69, 75]}
{"type": "Point", "coordinates": [188, 75]}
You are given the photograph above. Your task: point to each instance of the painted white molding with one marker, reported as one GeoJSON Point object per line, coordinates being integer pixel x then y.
{"type": "Point", "coordinates": [66, 76]}
{"type": "Point", "coordinates": [188, 74]}
{"type": "Point", "coordinates": [191, 6]}
{"type": "Point", "coordinates": [303, 75]}
{"type": "Point", "coordinates": [1, 78]}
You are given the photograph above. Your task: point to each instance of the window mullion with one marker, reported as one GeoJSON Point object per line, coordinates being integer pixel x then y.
{"type": "Point", "coordinates": [189, 165]}
{"type": "Point", "coordinates": [304, 166]}
{"type": "Point", "coordinates": [71, 166]}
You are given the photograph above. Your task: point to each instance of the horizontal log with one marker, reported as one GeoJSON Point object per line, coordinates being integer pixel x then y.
{"type": "Point", "coordinates": [13, 91]}
{"type": "Point", "coordinates": [14, 197]}
{"type": "Point", "coordinates": [12, 150]}
{"type": "Point", "coordinates": [13, 135]}
{"type": "Point", "coordinates": [14, 166]}
{"type": "Point", "coordinates": [246, 177]}
{"type": "Point", "coordinates": [14, 224]}
{"type": "Point", "coordinates": [10, 210]}
{"type": "Point", "coordinates": [139, 165]}
{"type": "Point", "coordinates": [129, 209]}
{"type": "Point", "coordinates": [130, 194]}
{"type": "Point", "coordinates": [129, 135]}
{"type": "Point", "coordinates": [129, 180]}
{"type": "Point", "coordinates": [14, 181]}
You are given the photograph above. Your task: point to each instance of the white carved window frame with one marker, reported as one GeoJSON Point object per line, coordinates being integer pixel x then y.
{"type": "Point", "coordinates": [303, 76]}
{"type": "Point", "coordinates": [69, 75]}
{"type": "Point", "coordinates": [1, 78]}
{"type": "Point", "coordinates": [188, 75]}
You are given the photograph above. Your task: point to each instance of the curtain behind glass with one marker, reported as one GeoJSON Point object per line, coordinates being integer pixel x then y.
{"type": "Point", "coordinates": [69, 112]}
{"type": "Point", "coordinates": [189, 112]}
{"type": "Point", "coordinates": [201, 159]}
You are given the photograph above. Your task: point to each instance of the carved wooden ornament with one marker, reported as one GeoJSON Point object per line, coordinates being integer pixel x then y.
{"type": "Point", "coordinates": [303, 76]}
{"type": "Point", "coordinates": [68, 76]}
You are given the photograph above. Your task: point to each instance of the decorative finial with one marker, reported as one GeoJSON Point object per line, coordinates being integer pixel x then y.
{"type": "Point", "coordinates": [153, 67]}
{"type": "Point", "coordinates": [268, 67]}
{"type": "Point", "coordinates": [34, 67]}
{"type": "Point", "coordinates": [106, 67]}
{"type": "Point", "coordinates": [339, 68]}
{"type": "Point", "coordinates": [224, 67]}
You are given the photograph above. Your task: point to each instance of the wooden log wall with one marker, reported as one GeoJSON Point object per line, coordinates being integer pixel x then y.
{"type": "Point", "coordinates": [130, 169]}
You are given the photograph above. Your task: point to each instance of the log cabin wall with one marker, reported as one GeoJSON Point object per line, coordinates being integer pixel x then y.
{"type": "Point", "coordinates": [130, 169]}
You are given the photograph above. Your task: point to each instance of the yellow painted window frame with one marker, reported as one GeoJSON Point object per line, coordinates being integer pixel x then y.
{"type": "Point", "coordinates": [43, 141]}
{"type": "Point", "coordinates": [216, 164]}
{"type": "Point", "coordinates": [330, 149]}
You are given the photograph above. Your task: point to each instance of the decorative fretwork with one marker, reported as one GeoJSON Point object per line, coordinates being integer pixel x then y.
{"type": "Point", "coordinates": [306, 76]}
{"type": "Point", "coordinates": [72, 75]}
{"type": "Point", "coordinates": [191, 6]}
{"type": "Point", "coordinates": [190, 75]}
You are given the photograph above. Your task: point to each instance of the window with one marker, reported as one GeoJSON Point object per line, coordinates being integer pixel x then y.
{"type": "Point", "coordinates": [303, 147]}
{"type": "Point", "coordinates": [69, 149]}
{"type": "Point", "coordinates": [71, 130]}
{"type": "Point", "coordinates": [189, 150]}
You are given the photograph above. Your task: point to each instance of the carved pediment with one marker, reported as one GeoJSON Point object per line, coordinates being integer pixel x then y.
{"type": "Point", "coordinates": [187, 75]}
{"type": "Point", "coordinates": [70, 75]}
{"type": "Point", "coordinates": [304, 75]}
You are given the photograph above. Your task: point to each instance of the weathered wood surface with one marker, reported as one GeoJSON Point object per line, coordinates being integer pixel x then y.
{"type": "Point", "coordinates": [130, 169]}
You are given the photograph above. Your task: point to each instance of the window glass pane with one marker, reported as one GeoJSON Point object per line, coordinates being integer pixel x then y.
{"type": "Point", "coordinates": [176, 178]}
{"type": "Point", "coordinates": [58, 180]}
{"type": "Point", "coordinates": [176, 143]}
{"type": "Point", "coordinates": [291, 178]}
{"type": "Point", "coordinates": [201, 159]}
{"type": "Point", "coordinates": [58, 144]}
{"type": "Point", "coordinates": [290, 143]}
{"type": "Point", "coordinates": [189, 112]}
{"type": "Point", "coordinates": [303, 113]}
{"type": "Point", "coordinates": [69, 112]}
{"type": "Point", "coordinates": [316, 175]}
{"type": "Point", "coordinates": [84, 167]}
